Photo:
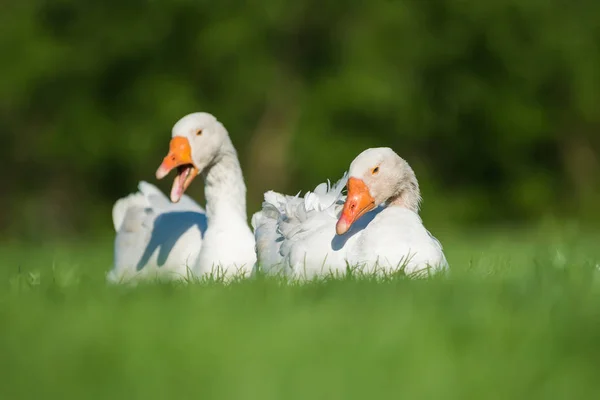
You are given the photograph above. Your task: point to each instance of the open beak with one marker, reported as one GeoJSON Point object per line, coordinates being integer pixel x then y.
{"type": "Point", "coordinates": [179, 157]}
{"type": "Point", "coordinates": [358, 202]}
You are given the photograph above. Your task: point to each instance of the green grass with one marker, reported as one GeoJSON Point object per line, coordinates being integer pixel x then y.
{"type": "Point", "coordinates": [518, 318]}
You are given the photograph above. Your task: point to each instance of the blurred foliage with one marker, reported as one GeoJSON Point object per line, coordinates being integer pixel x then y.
{"type": "Point", "coordinates": [495, 103]}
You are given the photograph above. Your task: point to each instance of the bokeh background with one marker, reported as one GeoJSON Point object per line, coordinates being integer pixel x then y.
{"type": "Point", "coordinates": [494, 103]}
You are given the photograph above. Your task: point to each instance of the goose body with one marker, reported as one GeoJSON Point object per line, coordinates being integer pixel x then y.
{"type": "Point", "coordinates": [396, 239]}
{"type": "Point", "coordinates": [295, 236]}
{"type": "Point", "coordinates": [178, 239]}
{"type": "Point", "coordinates": [154, 237]}
{"type": "Point", "coordinates": [376, 228]}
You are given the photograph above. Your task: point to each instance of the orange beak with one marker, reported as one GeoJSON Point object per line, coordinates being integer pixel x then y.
{"type": "Point", "coordinates": [180, 157]}
{"type": "Point", "coordinates": [358, 202]}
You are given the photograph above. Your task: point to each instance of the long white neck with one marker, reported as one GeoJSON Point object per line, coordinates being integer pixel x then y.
{"type": "Point", "coordinates": [228, 242]}
{"type": "Point", "coordinates": [407, 194]}
{"type": "Point", "coordinates": [224, 187]}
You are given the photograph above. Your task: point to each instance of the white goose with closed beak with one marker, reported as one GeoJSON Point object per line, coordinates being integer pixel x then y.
{"type": "Point", "coordinates": [375, 228]}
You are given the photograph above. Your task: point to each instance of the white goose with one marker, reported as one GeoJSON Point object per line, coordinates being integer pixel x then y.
{"type": "Point", "coordinates": [376, 228]}
{"type": "Point", "coordinates": [158, 238]}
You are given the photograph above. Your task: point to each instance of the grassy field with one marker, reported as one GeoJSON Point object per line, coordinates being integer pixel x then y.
{"type": "Point", "coordinates": [518, 318]}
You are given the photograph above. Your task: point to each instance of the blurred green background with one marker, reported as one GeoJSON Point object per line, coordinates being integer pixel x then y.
{"type": "Point", "coordinates": [495, 104]}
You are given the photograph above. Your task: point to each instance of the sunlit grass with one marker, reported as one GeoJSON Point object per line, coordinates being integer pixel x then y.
{"type": "Point", "coordinates": [518, 317]}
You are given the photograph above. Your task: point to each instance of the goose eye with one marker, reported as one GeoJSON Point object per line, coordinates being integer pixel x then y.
{"type": "Point", "coordinates": [375, 171]}
{"type": "Point", "coordinates": [199, 132]}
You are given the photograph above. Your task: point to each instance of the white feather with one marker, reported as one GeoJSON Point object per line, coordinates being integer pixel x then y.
{"type": "Point", "coordinates": [293, 234]}
{"type": "Point", "coordinates": [155, 238]}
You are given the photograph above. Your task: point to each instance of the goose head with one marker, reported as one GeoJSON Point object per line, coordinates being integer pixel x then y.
{"type": "Point", "coordinates": [196, 141]}
{"type": "Point", "coordinates": [377, 176]}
